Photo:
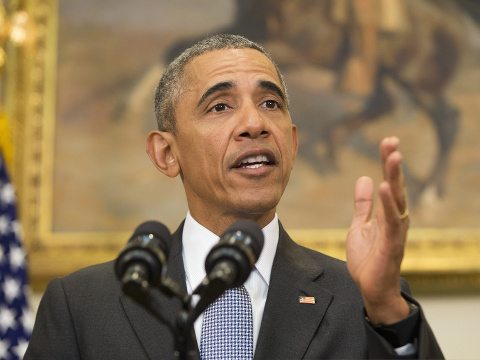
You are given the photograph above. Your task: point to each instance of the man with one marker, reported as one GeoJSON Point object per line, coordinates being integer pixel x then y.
{"type": "Point", "coordinates": [225, 128]}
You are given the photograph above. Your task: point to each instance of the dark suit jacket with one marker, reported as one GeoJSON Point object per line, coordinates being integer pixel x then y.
{"type": "Point", "coordinates": [86, 316]}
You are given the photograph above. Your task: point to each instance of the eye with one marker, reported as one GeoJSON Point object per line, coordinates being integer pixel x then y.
{"type": "Point", "coordinates": [271, 104]}
{"type": "Point", "coordinates": [218, 108]}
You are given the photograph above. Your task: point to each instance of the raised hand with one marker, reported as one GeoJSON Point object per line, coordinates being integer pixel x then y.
{"type": "Point", "coordinates": [375, 244]}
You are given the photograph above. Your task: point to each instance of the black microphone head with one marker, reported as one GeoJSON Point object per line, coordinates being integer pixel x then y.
{"type": "Point", "coordinates": [146, 250]}
{"type": "Point", "coordinates": [252, 235]}
{"type": "Point", "coordinates": [156, 230]}
{"type": "Point", "coordinates": [240, 246]}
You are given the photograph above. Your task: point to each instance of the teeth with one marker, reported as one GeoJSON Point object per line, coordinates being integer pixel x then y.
{"type": "Point", "coordinates": [254, 162]}
{"type": "Point", "coordinates": [255, 159]}
{"type": "Point", "coordinates": [254, 166]}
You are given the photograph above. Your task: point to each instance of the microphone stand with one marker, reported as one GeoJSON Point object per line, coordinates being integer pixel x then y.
{"type": "Point", "coordinates": [183, 328]}
{"type": "Point", "coordinates": [182, 325]}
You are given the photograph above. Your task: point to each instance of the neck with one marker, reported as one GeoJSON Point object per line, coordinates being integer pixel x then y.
{"type": "Point", "coordinates": [218, 224]}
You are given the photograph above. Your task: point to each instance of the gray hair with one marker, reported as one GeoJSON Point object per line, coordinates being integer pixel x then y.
{"type": "Point", "coordinates": [170, 85]}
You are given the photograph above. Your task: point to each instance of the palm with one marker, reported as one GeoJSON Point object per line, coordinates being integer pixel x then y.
{"type": "Point", "coordinates": [373, 257]}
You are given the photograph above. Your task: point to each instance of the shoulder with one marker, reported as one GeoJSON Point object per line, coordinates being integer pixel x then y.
{"type": "Point", "coordinates": [331, 272]}
{"type": "Point", "coordinates": [296, 251]}
{"type": "Point", "coordinates": [87, 284]}
{"type": "Point", "coordinates": [94, 274]}
{"type": "Point", "coordinates": [335, 273]}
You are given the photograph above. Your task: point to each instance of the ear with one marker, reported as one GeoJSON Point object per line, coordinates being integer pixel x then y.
{"type": "Point", "coordinates": [160, 146]}
{"type": "Point", "coordinates": [295, 143]}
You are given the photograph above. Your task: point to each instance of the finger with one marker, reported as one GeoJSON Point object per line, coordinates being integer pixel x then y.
{"type": "Point", "coordinates": [394, 176]}
{"type": "Point", "coordinates": [394, 229]}
{"type": "Point", "coordinates": [391, 210]}
{"type": "Point", "coordinates": [387, 146]}
{"type": "Point", "coordinates": [363, 201]}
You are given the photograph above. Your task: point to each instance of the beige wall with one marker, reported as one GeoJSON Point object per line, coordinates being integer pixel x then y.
{"type": "Point", "coordinates": [456, 323]}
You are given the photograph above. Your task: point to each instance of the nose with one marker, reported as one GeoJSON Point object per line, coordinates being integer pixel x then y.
{"type": "Point", "coordinates": [251, 123]}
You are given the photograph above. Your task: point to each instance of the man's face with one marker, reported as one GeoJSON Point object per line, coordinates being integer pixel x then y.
{"type": "Point", "coordinates": [235, 142]}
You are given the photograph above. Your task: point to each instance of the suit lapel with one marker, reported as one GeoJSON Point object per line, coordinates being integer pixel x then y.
{"type": "Point", "coordinates": [155, 336]}
{"type": "Point", "coordinates": [288, 325]}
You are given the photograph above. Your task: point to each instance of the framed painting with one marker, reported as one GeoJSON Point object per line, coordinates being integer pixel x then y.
{"type": "Point", "coordinates": [82, 90]}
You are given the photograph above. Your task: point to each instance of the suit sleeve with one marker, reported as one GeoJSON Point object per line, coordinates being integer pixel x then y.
{"type": "Point", "coordinates": [424, 340]}
{"type": "Point", "coordinates": [53, 335]}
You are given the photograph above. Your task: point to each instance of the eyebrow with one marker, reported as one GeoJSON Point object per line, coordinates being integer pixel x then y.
{"type": "Point", "coordinates": [227, 85]}
{"type": "Point", "coordinates": [268, 85]}
{"type": "Point", "coordinates": [222, 86]}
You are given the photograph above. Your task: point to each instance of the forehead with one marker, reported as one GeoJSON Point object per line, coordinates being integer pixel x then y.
{"type": "Point", "coordinates": [228, 64]}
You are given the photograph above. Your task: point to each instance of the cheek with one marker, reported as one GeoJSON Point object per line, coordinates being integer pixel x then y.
{"type": "Point", "coordinates": [202, 159]}
{"type": "Point", "coordinates": [286, 144]}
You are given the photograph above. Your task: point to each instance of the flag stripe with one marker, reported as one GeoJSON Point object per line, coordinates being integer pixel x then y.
{"type": "Point", "coordinates": [307, 300]}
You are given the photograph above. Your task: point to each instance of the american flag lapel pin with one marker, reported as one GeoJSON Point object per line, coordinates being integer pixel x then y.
{"type": "Point", "coordinates": [306, 300]}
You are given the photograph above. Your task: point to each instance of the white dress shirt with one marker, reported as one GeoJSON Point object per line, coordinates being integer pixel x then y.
{"type": "Point", "coordinates": [197, 242]}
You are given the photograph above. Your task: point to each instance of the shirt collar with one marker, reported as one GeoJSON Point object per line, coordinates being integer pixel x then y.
{"type": "Point", "coordinates": [198, 240]}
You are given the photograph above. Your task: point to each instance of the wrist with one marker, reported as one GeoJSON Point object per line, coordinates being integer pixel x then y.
{"type": "Point", "coordinates": [388, 312]}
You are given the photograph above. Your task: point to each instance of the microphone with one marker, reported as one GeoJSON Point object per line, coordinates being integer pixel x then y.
{"type": "Point", "coordinates": [141, 261]}
{"type": "Point", "coordinates": [232, 259]}
{"type": "Point", "coordinates": [228, 263]}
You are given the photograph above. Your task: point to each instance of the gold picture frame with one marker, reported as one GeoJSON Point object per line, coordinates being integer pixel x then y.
{"type": "Point", "coordinates": [437, 259]}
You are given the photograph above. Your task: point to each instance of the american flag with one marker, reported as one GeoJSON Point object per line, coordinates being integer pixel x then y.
{"type": "Point", "coordinates": [16, 319]}
{"type": "Point", "coordinates": [306, 300]}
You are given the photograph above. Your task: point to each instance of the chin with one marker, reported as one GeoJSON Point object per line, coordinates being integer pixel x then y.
{"type": "Point", "coordinates": [258, 206]}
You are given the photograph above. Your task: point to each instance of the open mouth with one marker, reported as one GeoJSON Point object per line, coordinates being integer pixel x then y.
{"type": "Point", "coordinates": [253, 162]}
